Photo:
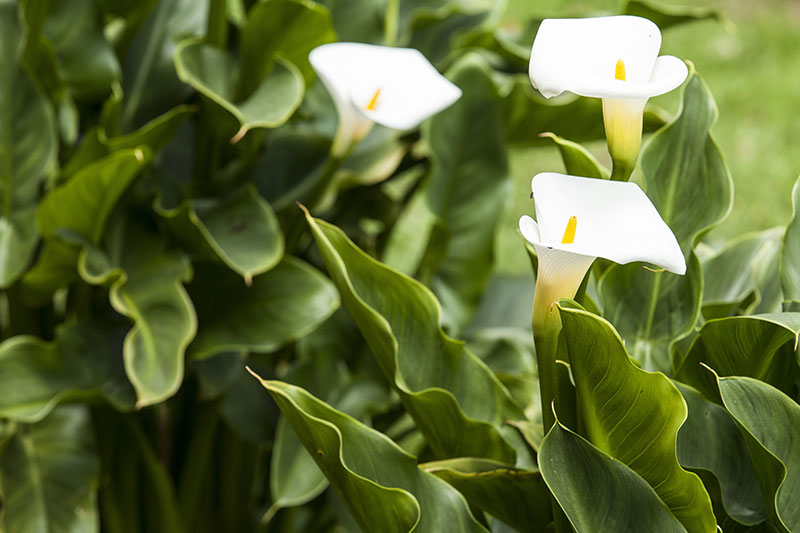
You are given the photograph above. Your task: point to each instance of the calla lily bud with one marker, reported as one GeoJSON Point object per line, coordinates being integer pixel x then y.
{"type": "Point", "coordinates": [580, 219]}
{"type": "Point", "coordinates": [395, 87]}
{"type": "Point", "coordinates": [613, 58]}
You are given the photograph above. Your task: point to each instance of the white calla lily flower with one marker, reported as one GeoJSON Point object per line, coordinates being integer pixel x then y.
{"type": "Point", "coordinates": [613, 58]}
{"type": "Point", "coordinates": [395, 87]}
{"type": "Point", "coordinates": [581, 219]}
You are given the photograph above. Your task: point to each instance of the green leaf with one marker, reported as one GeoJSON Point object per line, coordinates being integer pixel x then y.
{"type": "Point", "coordinates": [711, 445]}
{"type": "Point", "coordinates": [282, 305]}
{"type": "Point", "coordinates": [18, 239]}
{"type": "Point", "coordinates": [81, 207]}
{"type": "Point", "coordinates": [36, 375]}
{"type": "Point", "coordinates": [150, 84]}
{"type": "Point", "coordinates": [633, 415]}
{"type": "Point", "coordinates": [455, 400]}
{"type": "Point", "coordinates": [28, 132]}
{"type": "Point", "coordinates": [770, 422]}
{"type": "Point", "coordinates": [242, 230]}
{"type": "Point", "coordinates": [666, 16]}
{"type": "Point", "coordinates": [790, 252]}
{"type": "Point", "coordinates": [730, 276]}
{"type": "Point", "coordinates": [212, 73]}
{"type": "Point", "coordinates": [86, 60]}
{"type": "Point", "coordinates": [48, 475]}
{"type": "Point", "coordinates": [517, 497]}
{"type": "Point", "coordinates": [357, 20]}
{"type": "Point", "coordinates": [467, 188]}
{"type": "Point", "coordinates": [686, 178]}
{"type": "Point", "coordinates": [761, 347]}
{"type": "Point", "coordinates": [150, 292]}
{"type": "Point", "coordinates": [379, 483]}
{"type": "Point", "coordinates": [577, 159]}
{"type": "Point", "coordinates": [598, 492]}
{"type": "Point", "coordinates": [291, 28]}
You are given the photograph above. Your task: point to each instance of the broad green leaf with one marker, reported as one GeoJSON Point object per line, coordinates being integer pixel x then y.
{"type": "Point", "coordinates": [597, 492]}
{"type": "Point", "coordinates": [86, 60]}
{"type": "Point", "coordinates": [790, 252]}
{"type": "Point", "coordinates": [149, 290]}
{"type": "Point", "coordinates": [770, 422]}
{"type": "Point", "coordinates": [711, 445]}
{"type": "Point", "coordinates": [282, 305]}
{"type": "Point", "coordinates": [730, 282]}
{"type": "Point", "coordinates": [150, 84]}
{"type": "Point", "coordinates": [633, 415]}
{"type": "Point", "coordinates": [212, 73]}
{"type": "Point", "coordinates": [83, 361]}
{"type": "Point", "coordinates": [761, 347]}
{"type": "Point", "coordinates": [379, 483]}
{"type": "Point", "coordinates": [577, 159]}
{"type": "Point", "coordinates": [81, 206]}
{"type": "Point", "coordinates": [467, 189]}
{"type": "Point", "coordinates": [48, 475]}
{"type": "Point", "coordinates": [686, 178]}
{"type": "Point", "coordinates": [666, 16]}
{"type": "Point", "coordinates": [455, 400]}
{"type": "Point", "coordinates": [28, 133]}
{"type": "Point", "coordinates": [517, 497]}
{"type": "Point", "coordinates": [242, 230]}
{"type": "Point", "coordinates": [291, 28]}
{"type": "Point", "coordinates": [18, 239]}
{"type": "Point", "coordinates": [526, 114]}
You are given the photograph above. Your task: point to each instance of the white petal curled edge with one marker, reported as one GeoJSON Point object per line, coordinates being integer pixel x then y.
{"type": "Point", "coordinates": [580, 56]}
{"type": "Point", "coordinates": [615, 220]}
{"type": "Point", "coordinates": [529, 229]}
{"type": "Point", "coordinates": [411, 89]}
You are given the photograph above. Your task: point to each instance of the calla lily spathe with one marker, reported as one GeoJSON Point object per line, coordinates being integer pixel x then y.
{"type": "Point", "coordinates": [598, 218]}
{"type": "Point", "coordinates": [613, 58]}
{"type": "Point", "coordinates": [395, 87]}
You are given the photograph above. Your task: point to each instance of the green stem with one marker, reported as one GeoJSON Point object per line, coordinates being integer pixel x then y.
{"type": "Point", "coordinates": [217, 29]}
{"type": "Point", "coordinates": [390, 22]}
{"type": "Point", "coordinates": [195, 471]}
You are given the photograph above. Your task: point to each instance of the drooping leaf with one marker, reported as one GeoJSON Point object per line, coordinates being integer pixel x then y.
{"type": "Point", "coordinates": [597, 492]}
{"type": "Point", "coordinates": [686, 178]}
{"type": "Point", "coordinates": [83, 361]}
{"type": "Point", "coordinates": [517, 497]}
{"type": "Point", "coordinates": [455, 400]}
{"type": "Point", "coordinates": [770, 422]}
{"type": "Point", "coordinates": [633, 415]}
{"type": "Point", "coordinates": [467, 189]}
{"type": "Point", "coordinates": [577, 159]}
{"type": "Point", "coordinates": [379, 483]}
{"type": "Point", "coordinates": [48, 475]}
{"type": "Point", "coordinates": [730, 281]}
{"type": "Point", "coordinates": [150, 84]}
{"type": "Point", "coordinates": [710, 444]}
{"type": "Point", "coordinates": [212, 73]}
{"type": "Point", "coordinates": [761, 347]}
{"type": "Point", "coordinates": [666, 16]}
{"type": "Point", "coordinates": [291, 28]}
{"type": "Point", "coordinates": [282, 305]}
{"type": "Point", "coordinates": [242, 230]}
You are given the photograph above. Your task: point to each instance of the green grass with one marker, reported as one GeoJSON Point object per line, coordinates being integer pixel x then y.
{"type": "Point", "coordinates": [752, 69]}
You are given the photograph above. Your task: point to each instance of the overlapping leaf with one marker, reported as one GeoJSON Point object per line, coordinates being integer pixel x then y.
{"type": "Point", "coordinates": [687, 181]}
{"type": "Point", "coordinates": [790, 253]}
{"type": "Point", "coordinates": [456, 401]}
{"type": "Point", "coordinates": [379, 483]}
{"type": "Point", "coordinates": [633, 415]}
{"type": "Point", "coordinates": [598, 492]}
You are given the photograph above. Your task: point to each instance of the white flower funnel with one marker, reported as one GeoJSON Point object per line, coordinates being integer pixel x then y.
{"type": "Point", "coordinates": [581, 219]}
{"type": "Point", "coordinates": [395, 87]}
{"type": "Point", "coordinates": [613, 58]}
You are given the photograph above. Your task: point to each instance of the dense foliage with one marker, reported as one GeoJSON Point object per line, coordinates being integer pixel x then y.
{"type": "Point", "coordinates": [153, 257]}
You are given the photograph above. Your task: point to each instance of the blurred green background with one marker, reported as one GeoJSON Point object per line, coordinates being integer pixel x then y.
{"type": "Point", "coordinates": [751, 62]}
